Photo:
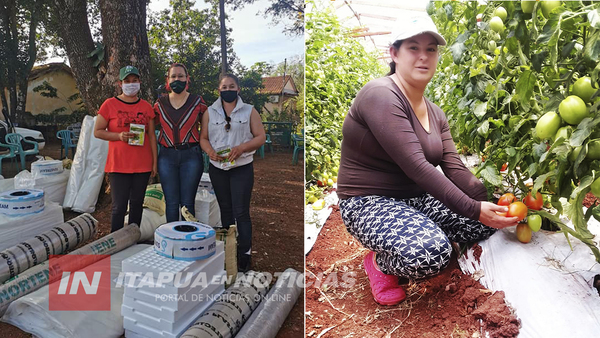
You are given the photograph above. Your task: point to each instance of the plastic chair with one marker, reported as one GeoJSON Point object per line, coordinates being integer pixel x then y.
{"type": "Point", "coordinates": [206, 161]}
{"type": "Point", "coordinates": [66, 138]}
{"type": "Point", "coordinates": [16, 140]}
{"type": "Point", "coordinates": [261, 150]}
{"type": "Point", "coordinates": [298, 141]}
{"type": "Point", "coordinates": [11, 153]}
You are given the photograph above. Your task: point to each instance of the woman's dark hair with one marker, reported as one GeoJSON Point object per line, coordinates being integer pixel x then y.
{"type": "Point", "coordinates": [231, 76]}
{"type": "Point", "coordinates": [177, 64]}
{"type": "Point", "coordinates": [396, 46]}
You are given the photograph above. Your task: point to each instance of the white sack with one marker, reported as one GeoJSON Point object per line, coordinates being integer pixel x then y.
{"type": "Point", "coordinates": [16, 229]}
{"type": "Point", "coordinates": [78, 165]}
{"type": "Point", "coordinates": [150, 221]}
{"type": "Point", "coordinates": [30, 313]}
{"type": "Point", "coordinates": [207, 208]}
{"type": "Point", "coordinates": [87, 170]}
{"type": "Point", "coordinates": [54, 186]}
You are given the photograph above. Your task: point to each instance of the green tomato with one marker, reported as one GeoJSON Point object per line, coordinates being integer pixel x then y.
{"type": "Point", "coordinates": [596, 187]}
{"type": "Point", "coordinates": [496, 24]}
{"type": "Point", "coordinates": [583, 88]}
{"type": "Point", "coordinates": [534, 222]}
{"type": "Point", "coordinates": [527, 6]}
{"type": "Point", "coordinates": [573, 110]}
{"type": "Point", "coordinates": [501, 13]}
{"type": "Point", "coordinates": [573, 155]}
{"type": "Point", "coordinates": [548, 125]}
{"type": "Point", "coordinates": [492, 46]}
{"type": "Point", "coordinates": [564, 132]}
{"type": "Point", "coordinates": [594, 150]}
{"type": "Point", "coordinates": [548, 6]}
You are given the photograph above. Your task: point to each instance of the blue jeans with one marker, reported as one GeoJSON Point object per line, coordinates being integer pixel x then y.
{"type": "Point", "coordinates": [180, 172]}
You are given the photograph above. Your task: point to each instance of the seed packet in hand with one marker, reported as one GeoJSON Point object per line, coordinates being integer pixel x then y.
{"type": "Point", "coordinates": [224, 152]}
{"type": "Point", "coordinates": [139, 131]}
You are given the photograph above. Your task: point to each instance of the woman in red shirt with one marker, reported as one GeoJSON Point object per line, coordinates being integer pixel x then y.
{"type": "Point", "coordinates": [180, 162]}
{"type": "Point", "coordinates": [127, 122]}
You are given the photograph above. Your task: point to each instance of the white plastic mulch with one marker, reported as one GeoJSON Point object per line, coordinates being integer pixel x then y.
{"type": "Point", "coordinates": [314, 220]}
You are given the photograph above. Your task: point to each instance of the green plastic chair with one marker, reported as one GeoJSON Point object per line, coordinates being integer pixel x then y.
{"type": "Point", "coordinates": [10, 152]}
{"type": "Point", "coordinates": [298, 141]}
{"type": "Point", "coordinates": [261, 150]}
{"type": "Point", "coordinates": [16, 140]}
{"type": "Point", "coordinates": [66, 138]}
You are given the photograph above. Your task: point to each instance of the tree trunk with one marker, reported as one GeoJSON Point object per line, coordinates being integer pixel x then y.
{"type": "Point", "coordinates": [223, 37]}
{"type": "Point", "coordinates": [125, 43]}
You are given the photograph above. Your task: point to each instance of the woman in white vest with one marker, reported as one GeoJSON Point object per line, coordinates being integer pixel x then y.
{"type": "Point", "coordinates": [231, 132]}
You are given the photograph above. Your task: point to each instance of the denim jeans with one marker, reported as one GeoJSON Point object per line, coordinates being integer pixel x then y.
{"type": "Point", "coordinates": [180, 172]}
{"type": "Point", "coordinates": [233, 189]}
{"type": "Point", "coordinates": [127, 188]}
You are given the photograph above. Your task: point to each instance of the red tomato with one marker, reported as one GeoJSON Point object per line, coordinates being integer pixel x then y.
{"type": "Point", "coordinates": [507, 199]}
{"type": "Point", "coordinates": [504, 166]}
{"type": "Point", "coordinates": [534, 203]}
{"type": "Point", "coordinates": [517, 209]}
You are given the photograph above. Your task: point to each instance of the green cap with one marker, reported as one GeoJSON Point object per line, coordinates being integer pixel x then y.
{"type": "Point", "coordinates": [127, 70]}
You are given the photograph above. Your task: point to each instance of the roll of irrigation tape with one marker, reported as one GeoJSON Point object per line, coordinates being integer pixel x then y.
{"type": "Point", "coordinates": [50, 167]}
{"type": "Point", "coordinates": [187, 241]}
{"type": "Point", "coordinates": [21, 202]}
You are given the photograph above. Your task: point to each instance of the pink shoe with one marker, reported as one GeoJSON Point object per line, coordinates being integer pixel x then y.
{"type": "Point", "coordinates": [385, 288]}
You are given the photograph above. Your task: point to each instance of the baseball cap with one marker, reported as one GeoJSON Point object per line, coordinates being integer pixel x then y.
{"type": "Point", "coordinates": [127, 70]}
{"type": "Point", "coordinates": [415, 26]}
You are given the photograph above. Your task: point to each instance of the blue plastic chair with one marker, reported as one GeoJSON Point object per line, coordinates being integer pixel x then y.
{"type": "Point", "coordinates": [16, 140]}
{"type": "Point", "coordinates": [66, 138]}
{"type": "Point", "coordinates": [298, 141]}
{"type": "Point", "coordinates": [10, 152]}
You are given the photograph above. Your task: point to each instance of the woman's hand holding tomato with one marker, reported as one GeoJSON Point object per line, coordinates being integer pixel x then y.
{"type": "Point", "coordinates": [491, 215]}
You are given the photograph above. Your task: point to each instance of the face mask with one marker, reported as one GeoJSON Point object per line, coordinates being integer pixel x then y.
{"type": "Point", "coordinates": [131, 89]}
{"type": "Point", "coordinates": [177, 86]}
{"type": "Point", "coordinates": [229, 95]}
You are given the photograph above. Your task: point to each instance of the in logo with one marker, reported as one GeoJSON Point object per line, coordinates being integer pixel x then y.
{"type": "Point", "coordinates": [79, 283]}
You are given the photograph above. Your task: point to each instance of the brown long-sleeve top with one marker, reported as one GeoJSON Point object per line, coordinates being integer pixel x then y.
{"type": "Point", "coordinates": [387, 152]}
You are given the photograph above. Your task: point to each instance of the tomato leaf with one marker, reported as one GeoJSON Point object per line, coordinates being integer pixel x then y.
{"type": "Point", "coordinates": [592, 46]}
{"type": "Point", "coordinates": [491, 174]}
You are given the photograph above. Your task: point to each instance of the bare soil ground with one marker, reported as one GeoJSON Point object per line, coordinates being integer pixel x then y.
{"type": "Point", "coordinates": [450, 304]}
{"type": "Point", "coordinates": [277, 217]}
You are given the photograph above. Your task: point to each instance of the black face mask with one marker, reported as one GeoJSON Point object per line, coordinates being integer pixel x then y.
{"type": "Point", "coordinates": [177, 86]}
{"type": "Point", "coordinates": [229, 95]}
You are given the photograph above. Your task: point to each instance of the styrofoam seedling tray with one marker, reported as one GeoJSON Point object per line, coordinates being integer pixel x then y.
{"type": "Point", "coordinates": [171, 300]}
{"type": "Point", "coordinates": [210, 275]}
{"type": "Point", "coordinates": [158, 310]}
{"type": "Point", "coordinates": [149, 261]}
{"type": "Point", "coordinates": [150, 265]}
{"type": "Point", "coordinates": [150, 327]}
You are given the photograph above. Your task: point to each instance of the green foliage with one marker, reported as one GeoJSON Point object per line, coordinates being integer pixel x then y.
{"type": "Point", "coordinates": [494, 97]}
{"type": "Point", "coordinates": [190, 36]}
{"type": "Point", "coordinates": [337, 67]}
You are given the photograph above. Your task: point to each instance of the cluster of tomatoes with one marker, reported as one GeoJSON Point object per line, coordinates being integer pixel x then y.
{"type": "Point", "coordinates": [519, 209]}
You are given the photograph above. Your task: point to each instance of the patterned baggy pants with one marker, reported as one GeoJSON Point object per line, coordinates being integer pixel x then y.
{"type": "Point", "coordinates": [412, 237]}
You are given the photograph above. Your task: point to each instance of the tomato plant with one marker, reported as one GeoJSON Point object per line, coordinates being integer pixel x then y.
{"type": "Point", "coordinates": [517, 209]}
{"type": "Point", "coordinates": [583, 88]}
{"type": "Point", "coordinates": [535, 203]}
{"type": "Point", "coordinates": [506, 199]}
{"type": "Point", "coordinates": [337, 67]}
{"type": "Point", "coordinates": [495, 100]}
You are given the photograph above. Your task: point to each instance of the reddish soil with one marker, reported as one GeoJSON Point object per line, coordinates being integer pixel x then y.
{"type": "Point", "coordinates": [590, 200]}
{"type": "Point", "coordinates": [277, 216]}
{"type": "Point", "coordinates": [450, 304]}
